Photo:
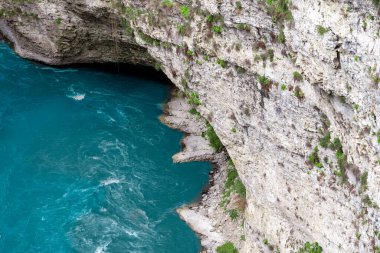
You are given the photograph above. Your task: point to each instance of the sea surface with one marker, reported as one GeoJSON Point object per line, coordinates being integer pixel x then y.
{"type": "Point", "coordinates": [85, 164]}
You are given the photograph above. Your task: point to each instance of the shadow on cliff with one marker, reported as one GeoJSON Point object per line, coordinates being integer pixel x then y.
{"type": "Point", "coordinates": [137, 71]}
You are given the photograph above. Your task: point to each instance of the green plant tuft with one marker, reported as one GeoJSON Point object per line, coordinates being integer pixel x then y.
{"type": "Point", "coordinates": [213, 138]}
{"type": "Point", "coordinates": [228, 247]}
{"type": "Point", "coordinates": [297, 76]}
{"type": "Point", "coordinates": [194, 99]}
{"type": "Point", "coordinates": [310, 248]}
{"type": "Point", "coordinates": [185, 11]}
{"type": "Point", "coordinates": [314, 158]}
{"type": "Point", "coordinates": [322, 30]}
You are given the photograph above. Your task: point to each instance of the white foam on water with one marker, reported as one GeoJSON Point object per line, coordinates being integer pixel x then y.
{"type": "Point", "coordinates": [77, 96]}
{"type": "Point", "coordinates": [110, 181]}
{"type": "Point", "coordinates": [102, 248]}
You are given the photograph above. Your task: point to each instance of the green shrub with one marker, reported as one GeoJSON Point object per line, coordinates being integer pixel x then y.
{"type": "Point", "coordinates": [238, 5]}
{"type": "Point", "coordinates": [222, 63]}
{"type": "Point", "coordinates": [297, 76]}
{"type": "Point", "coordinates": [228, 247]}
{"type": "Point", "coordinates": [215, 18]}
{"type": "Point", "coordinates": [271, 55]}
{"type": "Point", "coordinates": [314, 158]}
{"type": "Point", "coordinates": [283, 87]}
{"type": "Point", "coordinates": [233, 214]}
{"type": "Point", "coordinates": [149, 40]}
{"type": "Point", "coordinates": [231, 175]}
{"type": "Point", "coordinates": [279, 10]}
{"type": "Point", "coordinates": [335, 144]}
{"type": "Point", "coordinates": [190, 53]}
{"type": "Point", "coordinates": [217, 29]}
{"type": "Point", "coordinates": [181, 29]}
{"type": "Point", "coordinates": [376, 2]}
{"type": "Point", "coordinates": [240, 188]}
{"type": "Point", "coordinates": [299, 93]}
{"type": "Point", "coordinates": [264, 81]}
{"type": "Point", "coordinates": [342, 163]}
{"type": "Point", "coordinates": [325, 140]}
{"type": "Point", "coordinates": [310, 248]}
{"type": "Point", "coordinates": [322, 30]}
{"type": "Point", "coordinates": [194, 99]}
{"type": "Point", "coordinates": [364, 181]}
{"type": "Point", "coordinates": [194, 112]}
{"type": "Point", "coordinates": [58, 21]}
{"type": "Point", "coordinates": [243, 27]}
{"type": "Point", "coordinates": [185, 11]}
{"type": "Point", "coordinates": [213, 138]}
{"type": "Point", "coordinates": [369, 202]}
{"type": "Point", "coordinates": [281, 37]}
{"type": "Point", "coordinates": [167, 3]}
{"type": "Point", "coordinates": [233, 181]}
{"type": "Point", "coordinates": [158, 66]}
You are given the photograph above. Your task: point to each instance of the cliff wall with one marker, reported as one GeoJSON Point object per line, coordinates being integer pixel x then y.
{"type": "Point", "coordinates": [291, 89]}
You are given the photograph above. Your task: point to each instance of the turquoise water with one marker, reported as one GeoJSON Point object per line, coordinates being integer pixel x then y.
{"type": "Point", "coordinates": [85, 164]}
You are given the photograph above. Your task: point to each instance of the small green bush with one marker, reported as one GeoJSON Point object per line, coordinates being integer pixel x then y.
{"type": "Point", "coordinates": [341, 160]}
{"type": "Point", "coordinates": [194, 112]}
{"type": "Point", "coordinates": [167, 3]}
{"type": "Point", "coordinates": [243, 27]}
{"type": "Point", "coordinates": [213, 138]}
{"type": "Point", "coordinates": [264, 81]}
{"type": "Point", "coordinates": [314, 158]}
{"type": "Point", "coordinates": [238, 5]}
{"type": "Point", "coordinates": [194, 99]}
{"type": "Point", "coordinates": [217, 29]}
{"type": "Point", "coordinates": [310, 248]}
{"type": "Point", "coordinates": [322, 30]}
{"type": "Point", "coordinates": [271, 55]}
{"type": "Point", "coordinates": [158, 66]}
{"type": "Point", "coordinates": [364, 181]}
{"type": "Point", "coordinates": [181, 29]}
{"type": "Point", "coordinates": [325, 140]}
{"type": "Point", "coordinates": [281, 37]}
{"type": "Point", "coordinates": [185, 11]}
{"type": "Point", "coordinates": [297, 76]}
{"type": "Point", "coordinates": [283, 87]}
{"type": "Point", "coordinates": [228, 247]}
{"type": "Point", "coordinates": [369, 202]}
{"type": "Point", "coordinates": [279, 10]}
{"type": "Point", "coordinates": [58, 21]}
{"type": "Point", "coordinates": [233, 214]}
{"type": "Point", "coordinates": [299, 93]}
{"type": "Point", "coordinates": [335, 144]}
{"type": "Point", "coordinates": [222, 63]}
{"type": "Point", "coordinates": [149, 40]}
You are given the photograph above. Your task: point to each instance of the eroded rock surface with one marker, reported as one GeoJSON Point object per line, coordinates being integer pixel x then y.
{"type": "Point", "coordinates": [271, 90]}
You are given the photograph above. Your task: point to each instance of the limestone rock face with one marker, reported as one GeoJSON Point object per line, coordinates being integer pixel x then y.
{"type": "Point", "coordinates": [271, 90]}
{"type": "Point", "coordinates": [61, 32]}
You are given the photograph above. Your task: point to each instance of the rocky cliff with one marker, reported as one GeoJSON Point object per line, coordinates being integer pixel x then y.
{"type": "Point", "coordinates": [291, 89]}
